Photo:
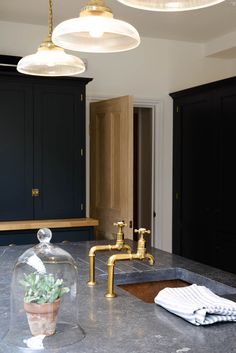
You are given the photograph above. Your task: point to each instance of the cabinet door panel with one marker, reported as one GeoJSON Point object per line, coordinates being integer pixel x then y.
{"type": "Point", "coordinates": [204, 174]}
{"type": "Point", "coordinates": [16, 150]}
{"type": "Point", "coordinates": [196, 150]}
{"type": "Point", "coordinates": [59, 162]}
{"type": "Point", "coordinates": [227, 190]}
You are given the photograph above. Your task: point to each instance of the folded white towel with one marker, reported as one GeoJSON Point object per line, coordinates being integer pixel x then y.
{"type": "Point", "coordinates": [197, 304]}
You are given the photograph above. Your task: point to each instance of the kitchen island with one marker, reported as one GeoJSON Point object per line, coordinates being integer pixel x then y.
{"type": "Point", "coordinates": [126, 324]}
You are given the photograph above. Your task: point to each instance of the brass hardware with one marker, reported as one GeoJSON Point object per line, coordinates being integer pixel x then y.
{"type": "Point", "coordinates": [48, 43]}
{"type": "Point", "coordinates": [81, 97]}
{"type": "Point", "coordinates": [141, 254]}
{"type": "Point", "coordinates": [35, 192]}
{"type": "Point", "coordinates": [96, 8]}
{"type": "Point", "coordinates": [81, 152]}
{"type": "Point", "coordinates": [120, 245]}
{"type": "Point", "coordinates": [177, 109]}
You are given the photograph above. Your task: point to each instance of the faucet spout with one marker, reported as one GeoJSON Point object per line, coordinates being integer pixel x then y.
{"type": "Point", "coordinates": [110, 268]}
{"type": "Point", "coordinates": [150, 258]}
{"type": "Point", "coordinates": [120, 245]}
{"type": "Point", "coordinates": [141, 254]}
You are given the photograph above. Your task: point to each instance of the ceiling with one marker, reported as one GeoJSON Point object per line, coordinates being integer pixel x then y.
{"type": "Point", "coordinates": [196, 26]}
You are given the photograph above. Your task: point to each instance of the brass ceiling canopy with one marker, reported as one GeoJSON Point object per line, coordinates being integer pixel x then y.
{"type": "Point", "coordinates": [96, 8]}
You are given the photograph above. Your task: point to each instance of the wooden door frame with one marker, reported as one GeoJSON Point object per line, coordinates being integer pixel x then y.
{"type": "Point", "coordinates": [157, 160]}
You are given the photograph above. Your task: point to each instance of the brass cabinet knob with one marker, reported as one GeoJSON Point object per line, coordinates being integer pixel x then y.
{"type": "Point", "coordinates": [35, 192]}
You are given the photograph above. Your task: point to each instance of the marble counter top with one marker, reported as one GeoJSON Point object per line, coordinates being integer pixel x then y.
{"type": "Point", "coordinates": [126, 324]}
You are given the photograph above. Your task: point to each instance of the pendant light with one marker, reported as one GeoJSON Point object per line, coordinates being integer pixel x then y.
{"type": "Point", "coordinates": [96, 31]}
{"type": "Point", "coordinates": [50, 60]}
{"type": "Point", "coordinates": [170, 5]}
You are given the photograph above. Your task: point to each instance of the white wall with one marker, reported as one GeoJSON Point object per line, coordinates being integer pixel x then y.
{"type": "Point", "coordinates": [153, 70]}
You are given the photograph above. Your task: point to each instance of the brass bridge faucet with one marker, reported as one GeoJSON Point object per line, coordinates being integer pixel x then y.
{"type": "Point", "coordinates": [141, 254]}
{"type": "Point", "coordinates": [120, 245]}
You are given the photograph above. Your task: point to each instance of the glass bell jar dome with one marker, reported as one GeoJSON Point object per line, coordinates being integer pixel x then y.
{"type": "Point", "coordinates": [44, 299]}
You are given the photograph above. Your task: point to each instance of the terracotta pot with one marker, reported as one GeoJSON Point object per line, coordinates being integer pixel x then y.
{"type": "Point", "coordinates": [42, 318]}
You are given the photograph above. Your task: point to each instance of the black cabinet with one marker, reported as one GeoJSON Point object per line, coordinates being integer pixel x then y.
{"type": "Point", "coordinates": [204, 188]}
{"type": "Point", "coordinates": [16, 149]}
{"type": "Point", "coordinates": [42, 146]}
{"type": "Point", "coordinates": [59, 151]}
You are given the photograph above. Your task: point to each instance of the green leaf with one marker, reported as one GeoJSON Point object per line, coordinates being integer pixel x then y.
{"type": "Point", "coordinates": [42, 288]}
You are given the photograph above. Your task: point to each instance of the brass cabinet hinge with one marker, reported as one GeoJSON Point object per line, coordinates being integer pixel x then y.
{"type": "Point", "coordinates": [81, 152]}
{"type": "Point", "coordinates": [82, 206]}
{"type": "Point", "coordinates": [35, 192]}
{"type": "Point", "coordinates": [177, 109]}
{"type": "Point", "coordinates": [81, 97]}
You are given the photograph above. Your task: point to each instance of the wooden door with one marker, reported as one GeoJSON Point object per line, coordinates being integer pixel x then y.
{"type": "Point", "coordinates": [16, 149]}
{"type": "Point", "coordinates": [59, 165]}
{"type": "Point", "coordinates": [111, 165]}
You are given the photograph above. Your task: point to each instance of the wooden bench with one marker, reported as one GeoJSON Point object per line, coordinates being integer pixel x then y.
{"type": "Point", "coordinates": [25, 231]}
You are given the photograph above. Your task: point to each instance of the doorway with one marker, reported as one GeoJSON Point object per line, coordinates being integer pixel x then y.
{"type": "Point", "coordinates": [143, 169]}
{"type": "Point", "coordinates": [148, 134]}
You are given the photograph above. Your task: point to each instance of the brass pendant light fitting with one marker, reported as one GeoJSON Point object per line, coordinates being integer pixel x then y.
{"type": "Point", "coordinates": [50, 59]}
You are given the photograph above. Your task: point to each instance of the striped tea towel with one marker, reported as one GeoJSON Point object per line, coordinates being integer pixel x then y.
{"type": "Point", "coordinates": [197, 304]}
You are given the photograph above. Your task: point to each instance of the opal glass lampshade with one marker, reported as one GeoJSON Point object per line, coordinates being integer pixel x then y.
{"type": "Point", "coordinates": [96, 31]}
{"type": "Point", "coordinates": [169, 5]}
{"type": "Point", "coordinates": [51, 61]}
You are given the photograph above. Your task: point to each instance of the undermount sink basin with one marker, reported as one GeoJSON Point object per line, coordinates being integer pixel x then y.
{"type": "Point", "coordinates": [145, 285]}
{"type": "Point", "coordinates": [148, 290]}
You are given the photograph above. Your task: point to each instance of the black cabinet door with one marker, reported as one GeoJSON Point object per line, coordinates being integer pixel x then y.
{"type": "Point", "coordinates": [204, 175]}
{"type": "Point", "coordinates": [42, 145]}
{"type": "Point", "coordinates": [16, 150]}
{"type": "Point", "coordinates": [226, 221]}
{"type": "Point", "coordinates": [59, 158]}
{"type": "Point", "coordinates": [195, 199]}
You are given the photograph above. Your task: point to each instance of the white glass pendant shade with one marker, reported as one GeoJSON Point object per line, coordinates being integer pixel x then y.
{"type": "Point", "coordinates": [51, 61]}
{"type": "Point", "coordinates": [170, 5]}
{"type": "Point", "coordinates": [97, 34]}
{"type": "Point", "coordinates": [96, 31]}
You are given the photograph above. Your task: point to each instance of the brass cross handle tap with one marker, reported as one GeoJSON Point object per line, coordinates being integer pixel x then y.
{"type": "Point", "coordinates": [141, 254]}
{"type": "Point", "coordinates": [141, 232]}
{"type": "Point", "coordinates": [120, 233]}
{"type": "Point", "coordinates": [120, 224]}
{"type": "Point", "coordinates": [141, 250]}
{"type": "Point", "coordinates": [120, 245]}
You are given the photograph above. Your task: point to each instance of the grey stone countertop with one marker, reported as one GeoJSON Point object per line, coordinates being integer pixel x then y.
{"type": "Point", "coordinates": [126, 324]}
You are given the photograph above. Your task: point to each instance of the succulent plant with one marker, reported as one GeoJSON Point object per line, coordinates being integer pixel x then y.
{"type": "Point", "coordinates": [42, 288]}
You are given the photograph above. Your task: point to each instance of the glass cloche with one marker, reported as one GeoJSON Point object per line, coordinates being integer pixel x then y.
{"type": "Point", "coordinates": [44, 299]}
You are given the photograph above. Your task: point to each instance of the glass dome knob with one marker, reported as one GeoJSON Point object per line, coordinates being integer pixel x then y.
{"type": "Point", "coordinates": [44, 235]}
